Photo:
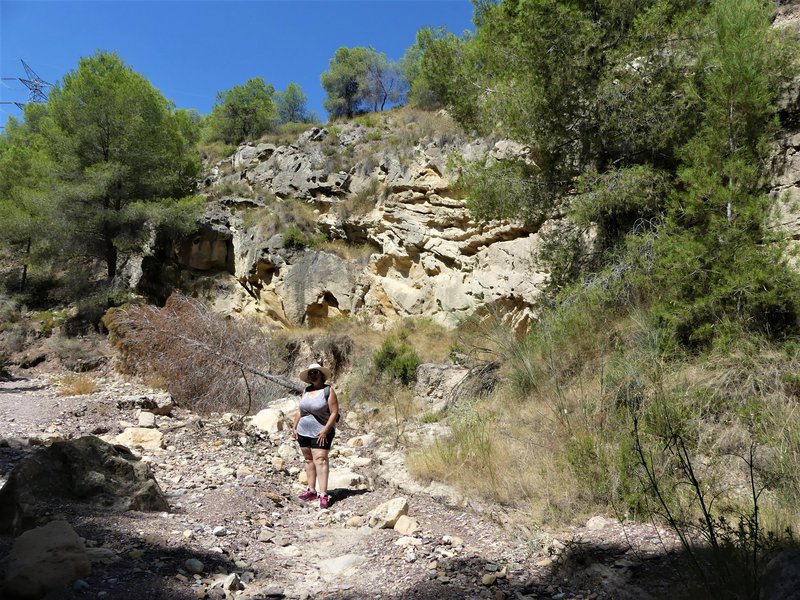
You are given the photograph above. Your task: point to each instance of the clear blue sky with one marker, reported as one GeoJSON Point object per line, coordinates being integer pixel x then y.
{"type": "Point", "coordinates": [190, 50]}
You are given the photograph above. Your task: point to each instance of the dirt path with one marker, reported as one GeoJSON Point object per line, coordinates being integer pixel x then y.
{"type": "Point", "coordinates": [234, 509]}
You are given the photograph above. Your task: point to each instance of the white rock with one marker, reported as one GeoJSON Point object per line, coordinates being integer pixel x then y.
{"type": "Point", "coordinates": [386, 515]}
{"type": "Point", "coordinates": [344, 478]}
{"type": "Point", "coordinates": [408, 541]}
{"type": "Point", "coordinates": [287, 452]}
{"type": "Point", "coordinates": [341, 564]}
{"type": "Point", "coordinates": [597, 523]}
{"type": "Point", "coordinates": [149, 439]}
{"type": "Point", "coordinates": [232, 583]}
{"type": "Point", "coordinates": [270, 420]}
{"type": "Point", "coordinates": [104, 556]}
{"type": "Point", "coordinates": [147, 419]}
{"type": "Point", "coordinates": [406, 525]}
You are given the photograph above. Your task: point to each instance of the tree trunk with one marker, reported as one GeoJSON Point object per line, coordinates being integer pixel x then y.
{"type": "Point", "coordinates": [110, 251]}
{"type": "Point", "coordinates": [24, 279]}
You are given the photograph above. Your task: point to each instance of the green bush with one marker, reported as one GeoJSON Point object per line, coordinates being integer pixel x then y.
{"type": "Point", "coordinates": [397, 359]}
{"type": "Point", "coordinates": [293, 237]}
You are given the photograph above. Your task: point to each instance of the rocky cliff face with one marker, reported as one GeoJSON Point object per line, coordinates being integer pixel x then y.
{"type": "Point", "coordinates": [385, 188]}
{"type": "Point", "coordinates": [384, 191]}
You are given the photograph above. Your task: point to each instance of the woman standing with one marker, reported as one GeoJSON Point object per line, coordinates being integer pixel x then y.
{"type": "Point", "coordinates": [314, 427]}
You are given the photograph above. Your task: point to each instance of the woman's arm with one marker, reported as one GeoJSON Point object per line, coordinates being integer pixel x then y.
{"type": "Point", "coordinates": [333, 407]}
{"type": "Point", "coordinates": [295, 421]}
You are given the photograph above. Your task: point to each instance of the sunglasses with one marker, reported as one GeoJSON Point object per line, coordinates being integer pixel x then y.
{"type": "Point", "coordinates": [313, 373]}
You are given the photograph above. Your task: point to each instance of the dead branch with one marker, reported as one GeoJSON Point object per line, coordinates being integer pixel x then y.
{"type": "Point", "coordinates": [200, 355]}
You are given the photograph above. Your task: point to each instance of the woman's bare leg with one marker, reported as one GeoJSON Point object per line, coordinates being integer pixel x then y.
{"type": "Point", "coordinates": [321, 465]}
{"type": "Point", "coordinates": [311, 470]}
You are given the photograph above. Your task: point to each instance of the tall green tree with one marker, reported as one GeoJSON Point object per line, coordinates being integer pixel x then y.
{"type": "Point", "coordinates": [384, 83]}
{"type": "Point", "coordinates": [422, 81]}
{"type": "Point", "coordinates": [244, 112]}
{"type": "Point", "coordinates": [359, 79]}
{"type": "Point", "coordinates": [345, 81]}
{"type": "Point", "coordinates": [292, 105]}
{"type": "Point", "coordinates": [25, 175]}
{"type": "Point", "coordinates": [717, 222]}
{"type": "Point", "coordinates": [120, 154]}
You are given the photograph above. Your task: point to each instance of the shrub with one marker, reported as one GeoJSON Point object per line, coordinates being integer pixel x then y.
{"type": "Point", "coordinates": [77, 385]}
{"type": "Point", "coordinates": [234, 188]}
{"type": "Point", "coordinates": [48, 321]}
{"type": "Point", "coordinates": [294, 238]}
{"type": "Point", "coordinates": [397, 359]}
{"type": "Point", "coordinates": [216, 151]}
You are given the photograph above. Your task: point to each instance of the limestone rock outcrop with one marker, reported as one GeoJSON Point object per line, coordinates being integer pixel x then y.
{"type": "Point", "coordinates": [421, 253]}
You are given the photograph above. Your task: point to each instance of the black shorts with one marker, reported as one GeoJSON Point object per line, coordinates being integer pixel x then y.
{"type": "Point", "coordinates": [311, 442]}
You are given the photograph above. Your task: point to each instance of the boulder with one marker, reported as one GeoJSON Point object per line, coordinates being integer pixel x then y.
{"type": "Point", "coordinates": [405, 525]}
{"type": "Point", "coordinates": [344, 478]}
{"type": "Point", "coordinates": [44, 559]}
{"type": "Point", "coordinates": [386, 515]}
{"type": "Point", "coordinates": [83, 470]}
{"type": "Point", "coordinates": [141, 437]}
{"type": "Point", "coordinates": [781, 578]}
{"type": "Point", "coordinates": [270, 420]}
{"type": "Point", "coordinates": [147, 420]}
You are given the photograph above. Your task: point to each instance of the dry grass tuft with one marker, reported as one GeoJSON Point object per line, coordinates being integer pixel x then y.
{"type": "Point", "coordinates": [77, 385]}
{"type": "Point", "coordinates": [503, 451]}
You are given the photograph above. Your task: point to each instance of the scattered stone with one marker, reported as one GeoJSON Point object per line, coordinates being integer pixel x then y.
{"type": "Point", "coordinates": [219, 531]}
{"type": "Point", "coordinates": [104, 556]}
{"type": "Point", "coordinates": [406, 525]}
{"type": "Point", "coordinates": [597, 523]}
{"type": "Point", "coordinates": [232, 583]}
{"type": "Point", "coordinates": [287, 452]}
{"type": "Point", "coordinates": [158, 404]}
{"type": "Point", "coordinates": [266, 535]}
{"type": "Point", "coordinates": [193, 565]}
{"type": "Point", "coordinates": [489, 579]}
{"type": "Point", "coordinates": [356, 521]}
{"type": "Point", "coordinates": [408, 541]}
{"type": "Point", "coordinates": [147, 420]}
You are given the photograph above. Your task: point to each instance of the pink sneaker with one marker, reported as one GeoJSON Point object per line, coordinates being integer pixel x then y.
{"type": "Point", "coordinates": [308, 495]}
{"type": "Point", "coordinates": [324, 501]}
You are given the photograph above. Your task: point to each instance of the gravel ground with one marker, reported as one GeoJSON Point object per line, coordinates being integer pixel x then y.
{"type": "Point", "coordinates": [277, 546]}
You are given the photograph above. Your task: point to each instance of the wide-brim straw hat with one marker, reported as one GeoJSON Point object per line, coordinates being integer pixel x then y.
{"type": "Point", "coordinates": [303, 375]}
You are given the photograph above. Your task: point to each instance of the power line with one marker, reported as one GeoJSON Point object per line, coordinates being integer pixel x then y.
{"type": "Point", "coordinates": [37, 87]}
